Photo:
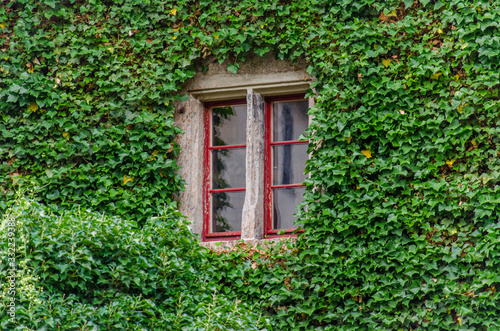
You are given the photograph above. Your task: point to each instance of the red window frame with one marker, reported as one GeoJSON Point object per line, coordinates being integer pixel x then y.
{"type": "Point", "coordinates": [269, 232]}
{"type": "Point", "coordinates": [207, 203]}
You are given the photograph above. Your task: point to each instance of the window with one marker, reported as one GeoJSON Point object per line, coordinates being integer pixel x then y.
{"type": "Point", "coordinates": [286, 156]}
{"type": "Point", "coordinates": [227, 132]}
{"type": "Point", "coordinates": [225, 168]}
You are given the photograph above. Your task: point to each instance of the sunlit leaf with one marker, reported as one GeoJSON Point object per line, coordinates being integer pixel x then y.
{"type": "Point", "coordinates": [33, 106]}
{"type": "Point", "coordinates": [367, 153]}
{"type": "Point", "coordinates": [127, 179]}
{"type": "Point", "coordinates": [436, 75]}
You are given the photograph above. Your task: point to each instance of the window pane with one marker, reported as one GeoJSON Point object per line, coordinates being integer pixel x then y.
{"type": "Point", "coordinates": [229, 125]}
{"type": "Point", "coordinates": [226, 211]}
{"type": "Point", "coordinates": [290, 120]}
{"type": "Point", "coordinates": [289, 162]}
{"type": "Point", "coordinates": [228, 168]}
{"type": "Point", "coordinates": [284, 206]}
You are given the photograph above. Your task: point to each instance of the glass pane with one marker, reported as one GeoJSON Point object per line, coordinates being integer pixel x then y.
{"type": "Point", "coordinates": [290, 120]}
{"type": "Point", "coordinates": [289, 162]}
{"type": "Point", "coordinates": [226, 211]}
{"type": "Point", "coordinates": [228, 168]}
{"type": "Point", "coordinates": [285, 201]}
{"type": "Point", "coordinates": [229, 125]}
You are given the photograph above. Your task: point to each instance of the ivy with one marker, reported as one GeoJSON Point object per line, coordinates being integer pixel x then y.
{"type": "Point", "coordinates": [401, 208]}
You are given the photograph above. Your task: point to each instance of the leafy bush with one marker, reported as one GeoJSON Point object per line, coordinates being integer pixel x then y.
{"type": "Point", "coordinates": [402, 200]}
{"type": "Point", "coordinates": [95, 272]}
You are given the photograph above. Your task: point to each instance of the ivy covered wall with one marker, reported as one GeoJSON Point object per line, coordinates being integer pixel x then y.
{"type": "Point", "coordinates": [401, 225]}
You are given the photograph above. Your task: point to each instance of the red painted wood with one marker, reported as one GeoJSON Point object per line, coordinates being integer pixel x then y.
{"type": "Point", "coordinates": [268, 187]}
{"type": "Point", "coordinates": [227, 147]}
{"type": "Point", "coordinates": [207, 172]}
{"type": "Point", "coordinates": [268, 199]}
{"type": "Point", "coordinates": [220, 190]}
{"type": "Point", "coordinates": [286, 185]}
{"type": "Point", "coordinates": [223, 234]}
{"type": "Point", "coordinates": [222, 238]}
{"type": "Point", "coordinates": [289, 142]}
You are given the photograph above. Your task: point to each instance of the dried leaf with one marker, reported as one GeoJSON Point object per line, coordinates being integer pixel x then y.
{"type": "Point", "coordinates": [33, 106]}
{"type": "Point", "coordinates": [436, 75]}
{"type": "Point", "coordinates": [348, 139]}
{"type": "Point", "coordinates": [127, 179]}
{"type": "Point", "coordinates": [173, 11]}
{"type": "Point", "coordinates": [367, 153]}
{"type": "Point", "coordinates": [66, 135]}
{"type": "Point", "coordinates": [386, 62]}
{"type": "Point", "coordinates": [450, 162]}
{"type": "Point", "coordinates": [392, 14]}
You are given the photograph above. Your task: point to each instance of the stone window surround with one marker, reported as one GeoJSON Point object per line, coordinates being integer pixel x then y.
{"type": "Point", "coordinates": [189, 117]}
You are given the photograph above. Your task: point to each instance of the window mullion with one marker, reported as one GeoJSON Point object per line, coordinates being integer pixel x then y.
{"type": "Point", "coordinates": [253, 208]}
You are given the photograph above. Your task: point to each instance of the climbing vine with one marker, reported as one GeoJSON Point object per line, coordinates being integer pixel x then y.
{"type": "Point", "coordinates": [401, 210]}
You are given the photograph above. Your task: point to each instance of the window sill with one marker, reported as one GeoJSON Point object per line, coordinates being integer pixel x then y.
{"type": "Point", "coordinates": [226, 246]}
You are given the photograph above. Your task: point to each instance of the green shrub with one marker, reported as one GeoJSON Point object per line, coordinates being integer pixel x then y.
{"type": "Point", "coordinates": [402, 204]}
{"type": "Point", "coordinates": [91, 271]}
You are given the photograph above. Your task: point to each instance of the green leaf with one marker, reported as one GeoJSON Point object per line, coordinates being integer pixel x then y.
{"type": "Point", "coordinates": [233, 68]}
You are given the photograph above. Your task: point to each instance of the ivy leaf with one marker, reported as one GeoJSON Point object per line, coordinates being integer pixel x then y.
{"type": "Point", "coordinates": [233, 68]}
{"type": "Point", "coordinates": [340, 126]}
{"type": "Point", "coordinates": [408, 3]}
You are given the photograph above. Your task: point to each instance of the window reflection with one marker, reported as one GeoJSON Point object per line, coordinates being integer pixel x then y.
{"type": "Point", "coordinates": [289, 156]}
{"type": "Point", "coordinates": [285, 205]}
{"type": "Point", "coordinates": [226, 211]}
{"type": "Point", "coordinates": [227, 167]}
{"type": "Point", "coordinates": [229, 125]}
